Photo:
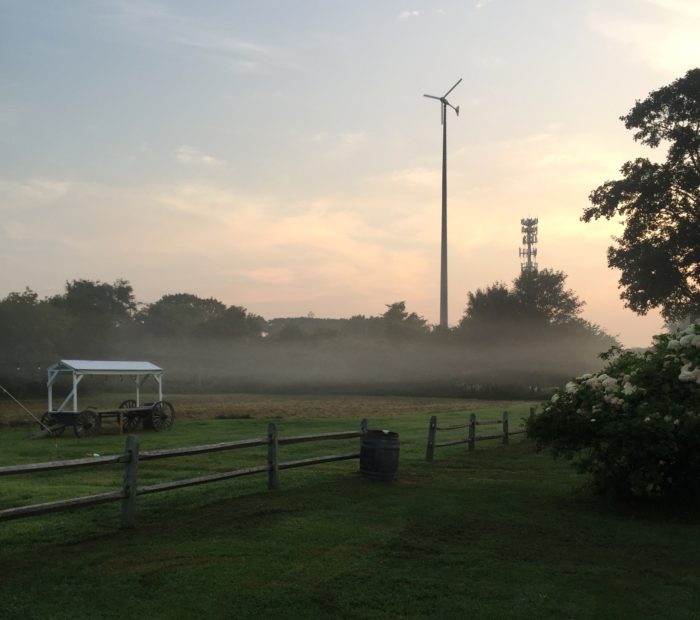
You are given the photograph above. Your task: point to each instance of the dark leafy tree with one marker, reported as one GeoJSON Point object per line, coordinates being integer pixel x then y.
{"type": "Point", "coordinates": [494, 304]}
{"type": "Point", "coordinates": [537, 297]}
{"type": "Point", "coordinates": [31, 330]}
{"type": "Point", "coordinates": [399, 323]}
{"type": "Point", "coordinates": [235, 322]}
{"type": "Point", "coordinates": [541, 296]}
{"type": "Point", "coordinates": [98, 304]}
{"type": "Point", "coordinates": [181, 314]}
{"type": "Point", "coordinates": [95, 313]}
{"type": "Point", "coordinates": [658, 253]}
{"type": "Point", "coordinates": [537, 308]}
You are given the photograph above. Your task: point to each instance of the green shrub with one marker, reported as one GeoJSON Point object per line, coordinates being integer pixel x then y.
{"type": "Point", "coordinates": [635, 426]}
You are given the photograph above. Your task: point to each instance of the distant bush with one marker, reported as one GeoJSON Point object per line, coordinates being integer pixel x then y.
{"type": "Point", "coordinates": [634, 426]}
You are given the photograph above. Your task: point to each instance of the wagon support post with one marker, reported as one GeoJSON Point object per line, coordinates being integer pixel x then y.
{"type": "Point", "coordinates": [131, 454]}
{"type": "Point", "coordinates": [505, 428]}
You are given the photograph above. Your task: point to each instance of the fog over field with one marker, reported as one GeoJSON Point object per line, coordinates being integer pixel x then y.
{"type": "Point", "coordinates": [358, 365]}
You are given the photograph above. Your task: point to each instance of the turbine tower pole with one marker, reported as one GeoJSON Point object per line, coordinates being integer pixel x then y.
{"type": "Point", "coordinates": [443, 245]}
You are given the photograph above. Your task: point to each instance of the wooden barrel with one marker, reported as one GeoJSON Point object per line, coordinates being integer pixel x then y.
{"type": "Point", "coordinates": [379, 455]}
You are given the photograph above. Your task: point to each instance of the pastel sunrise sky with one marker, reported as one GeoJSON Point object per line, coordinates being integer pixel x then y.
{"type": "Point", "coordinates": [280, 155]}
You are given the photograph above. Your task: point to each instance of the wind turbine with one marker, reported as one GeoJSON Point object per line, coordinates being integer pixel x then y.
{"type": "Point", "coordinates": [443, 250]}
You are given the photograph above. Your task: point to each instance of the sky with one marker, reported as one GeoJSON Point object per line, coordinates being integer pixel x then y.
{"type": "Point", "coordinates": [280, 155]}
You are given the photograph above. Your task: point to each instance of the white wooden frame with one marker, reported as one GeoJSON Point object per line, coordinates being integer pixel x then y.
{"type": "Point", "coordinates": [140, 371]}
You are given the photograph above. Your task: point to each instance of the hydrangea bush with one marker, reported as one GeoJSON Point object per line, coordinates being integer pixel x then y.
{"type": "Point", "coordinates": [634, 426]}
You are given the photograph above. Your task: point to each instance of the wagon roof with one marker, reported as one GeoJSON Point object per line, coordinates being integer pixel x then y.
{"type": "Point", "coordinates": [99, 366]}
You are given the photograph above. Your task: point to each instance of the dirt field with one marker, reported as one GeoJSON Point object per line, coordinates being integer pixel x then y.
{"type": "Point", "coordinates": [264, 406]}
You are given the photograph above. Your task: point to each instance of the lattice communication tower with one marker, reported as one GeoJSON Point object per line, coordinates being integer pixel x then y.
{"type": "Point", "coordinates": [528, 226]}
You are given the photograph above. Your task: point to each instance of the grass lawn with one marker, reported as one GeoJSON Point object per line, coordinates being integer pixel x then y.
{"type": "Point", "coordinates": [502, 532]}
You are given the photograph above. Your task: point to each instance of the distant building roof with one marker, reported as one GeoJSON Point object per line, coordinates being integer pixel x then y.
{"type": "Point", "coordinates": [107, 367]}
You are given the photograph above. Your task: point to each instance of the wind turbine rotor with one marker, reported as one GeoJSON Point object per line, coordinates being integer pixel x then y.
{"type": "Point", "coordinates": [451, 89]}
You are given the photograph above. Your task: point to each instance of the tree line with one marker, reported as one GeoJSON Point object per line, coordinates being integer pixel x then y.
{"type": "Point", "coordinates": [89, 316]}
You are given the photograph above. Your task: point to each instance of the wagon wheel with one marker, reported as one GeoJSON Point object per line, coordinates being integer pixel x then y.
{"type": "Point", "coordinates": [131, 422]}
{"type": "Point", "coordinates": [162, 416]}
{"type": "Point", "coordinates": [47, 421]}
{"type": "Point", "coordinates": [87, 423]}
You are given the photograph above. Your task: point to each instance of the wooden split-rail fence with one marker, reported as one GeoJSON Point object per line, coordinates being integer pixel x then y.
{"type": "Point", "coordinates": [132, 456]}
{"type": "Point", "coordinates": [472, 436]}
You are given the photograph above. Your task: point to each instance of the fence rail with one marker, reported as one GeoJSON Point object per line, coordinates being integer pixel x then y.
{"type": "Point", "coordinates": [131, 457]}
{"type": "Point", "coordinates": [471, 437]}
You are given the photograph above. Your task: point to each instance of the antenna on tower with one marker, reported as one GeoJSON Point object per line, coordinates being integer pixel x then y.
{"type": "Point", "coordinates": [528, 226]}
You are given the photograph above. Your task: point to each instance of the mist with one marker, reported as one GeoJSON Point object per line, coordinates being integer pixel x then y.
{"type": "Point", "coordinates": [425, 367]}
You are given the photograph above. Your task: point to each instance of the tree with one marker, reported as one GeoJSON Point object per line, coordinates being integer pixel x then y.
{"type": "Point", "coordinates": [30, 329]}
{"type": "Point", "coordinates": [536, 297]}
{"type": "Point", "coordinates": [184, 314]}
{"type": "Point", "coordinates": [99, 304]}
{"type": "Point", "coordinates": [659, 250]}
{"type": "Point", "coordinates": [400, 324]}
{"type": "Point", "coordinates": [495, 304]}
{"type": "Point", "coordinates": [235, 322]}
{"type": "Point", "coordinates": [181, 314]}
{"type": "Point", "coordinates": [95, 312]}
{"type": "Point", "coordinates": [541, 296]}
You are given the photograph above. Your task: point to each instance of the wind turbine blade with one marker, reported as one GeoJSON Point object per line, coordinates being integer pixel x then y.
{"type": "Point", "coordinates": [432, 97]}
{"type": "Point", "coordinates": [451, 89]}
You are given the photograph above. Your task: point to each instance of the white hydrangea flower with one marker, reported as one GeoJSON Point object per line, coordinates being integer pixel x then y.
{"type": "Point", "coordinates": [555, 398]}
{"type": "Point", "coordinates": [688, 373]}
{"type": "Point", "coordinates": [571, 387]}
{"type": "Point", "coordinates": [610, 384]}
{"type": "Point", "coordinates": [593, 382]}
{"type": "Point", "coordinates": [628, 389]}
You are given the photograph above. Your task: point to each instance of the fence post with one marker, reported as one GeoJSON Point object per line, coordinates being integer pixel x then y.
{"type": "Point", "coordinates": [472, 432]}
{"type": "Point", "coordinates": [505, 428]}
{"type": "Point", "coordinates": [273, 473]}
{"type": "Point", "coordinates": [532, 414]}
{"type": "Point", "coordinates": [131, 450]}
{"type": "Point", "coordinates": [364, 425]}
{"type": "Point", "coordinates": [430, 449]}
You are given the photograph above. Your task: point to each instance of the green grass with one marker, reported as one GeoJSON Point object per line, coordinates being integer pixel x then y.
{"type": "Point", "coordinates": [499, 533]}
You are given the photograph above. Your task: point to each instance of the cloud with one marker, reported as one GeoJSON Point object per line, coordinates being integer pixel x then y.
{"type": "Point", "coordinates": [189, 155]}
{"type": "Point", "coordinates": [685, 8]}
{"type": "Point", "coordinates": [665, 37]}
{"type": "Point", "coordinates": [25, 194]}
{"type": "Point", "coordinates": [340, 145]}
{"type": "Point", "coordinates": [409, 178]}
{"type": "Point", "coordinates": [482, 3]}
{"type": "Point", "coordinates": [408, 14]}
{"type": "Point", "coordinates": [158, 24]}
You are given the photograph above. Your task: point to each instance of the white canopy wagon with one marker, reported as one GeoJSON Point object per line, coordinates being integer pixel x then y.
{"type": "Point", "coordinates": [130, 414]}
